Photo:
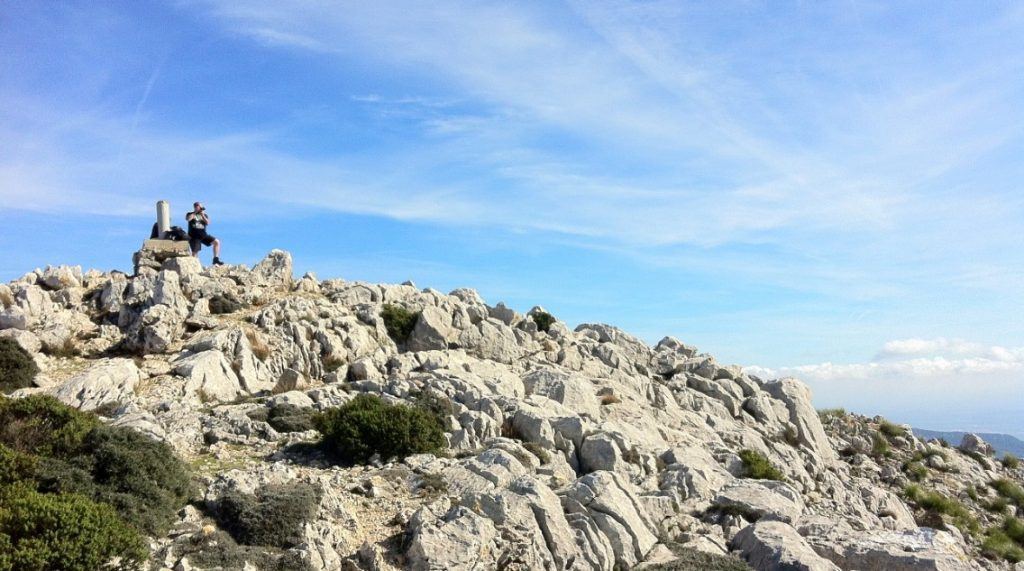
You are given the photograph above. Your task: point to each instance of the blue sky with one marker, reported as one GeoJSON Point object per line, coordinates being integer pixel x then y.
{"type": "Point", "coordinates": [831, 190]}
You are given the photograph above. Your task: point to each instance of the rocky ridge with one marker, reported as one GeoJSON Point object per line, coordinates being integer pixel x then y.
{"type": "Point", "coordinates": [569, 449]}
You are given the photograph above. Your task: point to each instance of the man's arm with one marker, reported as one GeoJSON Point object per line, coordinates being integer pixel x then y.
{"type": "Point", "coordinates": [206, 217]}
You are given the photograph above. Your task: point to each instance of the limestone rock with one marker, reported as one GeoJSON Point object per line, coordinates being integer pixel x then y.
{"type": "Point", "coordinates": [776, 546]}
{"type": "Point", "coordinates": [112, 381]}
{"type": "Point", "coordinates": [275, 270]}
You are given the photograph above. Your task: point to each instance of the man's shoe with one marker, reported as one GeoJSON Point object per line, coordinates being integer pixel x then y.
{"type": "Point", "coordinates": [217, 262]}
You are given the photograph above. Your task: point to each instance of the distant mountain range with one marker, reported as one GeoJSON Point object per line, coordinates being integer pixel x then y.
{"type": "Point", "coordinates": [1003, 443]}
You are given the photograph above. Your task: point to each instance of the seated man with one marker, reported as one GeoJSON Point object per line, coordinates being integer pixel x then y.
{"type": "Point", "coordinates": [198, 220]}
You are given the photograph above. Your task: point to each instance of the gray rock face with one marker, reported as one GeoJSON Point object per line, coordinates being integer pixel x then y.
{"type": "Point", "coordinates": [975, 444]}
{"type": "Point", "coordinates": [610, 506]}
{"type": "Point", "coordinates": [275, 270]}
{"type": "Point", "coordinates": [464, 541]}
{"type": "Point", "coordinates": [110, 382]}
{"type": "Point", "coordinates": [567, 449]}
{"type": "Point", "coordinates": [763, 499]}
{"type": "Point", "coordinates": [776, 546]}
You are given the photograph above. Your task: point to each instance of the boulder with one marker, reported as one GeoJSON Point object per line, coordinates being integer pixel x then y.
{"type": "Point", "coordinates": [275, 270]}
{"type": "Point", "coordinates": [462, 541]}
{"type": "Point", "coordinates": [610, 503]}
{"type": "Point", "coordinates": [802, 414]}
{"type": "Point", "coordinates": [210, 376]}
{"type": "Point", "coordinates": [111, 381]}
{"type": "Point", "coordinates": [776, 546]}
{"type": "Point", "coordinates": [432, 331]}
{"type": "Point", "coordinates": [974, 444]}
{"type": "Point", "coordinates": [762, 499]}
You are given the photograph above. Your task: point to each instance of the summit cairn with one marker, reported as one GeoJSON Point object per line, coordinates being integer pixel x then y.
{"type": "Point", "coordinates": [155, 251]}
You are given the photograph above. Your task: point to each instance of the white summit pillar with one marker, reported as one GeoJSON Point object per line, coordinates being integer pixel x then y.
{"type": "Point", "coordinates": [163, 218]}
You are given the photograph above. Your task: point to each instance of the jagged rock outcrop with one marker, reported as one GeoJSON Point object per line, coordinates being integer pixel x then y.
{"type": "Point", "coordinates": [579, 448]}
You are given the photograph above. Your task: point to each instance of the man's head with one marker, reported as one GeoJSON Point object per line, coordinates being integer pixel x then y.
{"type": "Point", "coordinates": [197, 206]}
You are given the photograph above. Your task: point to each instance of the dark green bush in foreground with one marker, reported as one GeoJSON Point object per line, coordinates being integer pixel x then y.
{"type": "Point", "coordinates": [757, 466]}
{"type": "Point", "coordinates": [86, 491]}
{"type": "Point", "coordinates": [274, 517]}
{"type": "Point", "coordinates": [17, 368]}
{"type": "Point", "coordinates": [544, 320]}
{"type": "Point", "coordinates": [399, 322]}
{"type": "Point", "coordinates": [44, 426]}
{"type": "Point", "coordinates": [367, 425]}
{"type": "Point", "coordinates": [63, 532]}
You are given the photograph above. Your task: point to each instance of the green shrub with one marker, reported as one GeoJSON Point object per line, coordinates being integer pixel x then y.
{"type": "Point", "coordinates": [880, 446]}
{"type": "Point", "coordinates": [218, 549]}
{"type": "Point", "coordinates": [891, 430]}
{"type": "Point", "coordinates": [285, 417]}
{"type": "Point", "coordinates": [63, 532]}
{"type": "Point", "coordinates": [937, 503]}
{"type": "Point", "coordinates": [916, 471]}
{"type": "Point", "coordinates": [756, 465]}
{"type": "Point", "coordinates": [42, 425]}
{"type": "Point", "coordinates": [688, 559]}
{"type": "Point", "coordinates": [1010, 461]}
{"type": "Point", "coordinates": [274, 517]}
{"type": "Point", "coordinates": [399, 322]}
{"type": "Point", "coordinates": [544, 320]}
{"type": "Point", "coordinates": [367, 425]}
{"type": "Point", "coordinates": [138, 475]}
{"type": "Point", "coordinates": [1009, 490]}
{"type": "Point", "coordinates": [439, 406]}
{"type": "Point", "coordinates": [17, 368]}
{"type": "Point", "coordinates": [15, 466]}
{"type": "Point", "coordinates": [1005, 542]}
{"type": "Point", "coordinates": [433, 484]}
{"type": "Point", "coordinates": [225, 303]}
{"type": "Point", "coordinates": [73, 452]}
{"type": "Point", "coordinates": [828, 414]}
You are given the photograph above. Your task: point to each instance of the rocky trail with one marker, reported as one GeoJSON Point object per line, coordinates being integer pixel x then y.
{"type": "Point", "coordinates": [579, 448]}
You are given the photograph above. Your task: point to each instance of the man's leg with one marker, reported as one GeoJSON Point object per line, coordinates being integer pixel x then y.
{"type": "Point", "coordinates": [216, 248]}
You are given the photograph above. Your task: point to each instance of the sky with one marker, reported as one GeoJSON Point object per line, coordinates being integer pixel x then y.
{"type": "Point", "coordinates": [827, 190]}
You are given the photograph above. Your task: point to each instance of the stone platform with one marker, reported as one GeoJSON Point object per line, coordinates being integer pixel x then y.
{"type": "Point", "coordinates": [154, 253]}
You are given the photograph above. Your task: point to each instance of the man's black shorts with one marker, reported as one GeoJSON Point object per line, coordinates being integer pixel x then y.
{"type": "Point", "coordinates": [197, 237]}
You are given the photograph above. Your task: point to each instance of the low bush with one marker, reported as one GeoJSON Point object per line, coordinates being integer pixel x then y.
{"type": "Point", "coordinates": [63, 532]}
{"type": "Point", "coordinates": [1010, 461]}
{"type": "Point", "coordinates": [937, 503]}
{"type": "Point", "coordinates": [17, 368]}
{"type": "Point", "coordinates": [891, 430]}
{"type": "Point", "coordinates": [285, 417]}
{"type": "Point", "coordinates": [916, 471]}
{"type": "Point", "coordinates": [367, 425]}
{"type": "Point", "coordinates": [274, 517]}
{"type": "Point", "coordinates": [72, 452]}
{"type": "Point", "coordinates": [790, 435]}
{"type": "Point", "coordinates": [15, 466]}
{"type": "Point", "coordinates": [433, 484]}
{"type": "Point", "coordinates": [42, 425]}
{"type": "Point", "coordinates": [880, 446]}
{"type": "Point", "coordinates": [1009, 490]}
{"type": "Point", "coordinates": [1005, 542]}
{"type": "Point", "coordinates": [828, 414]}
{"type": "Point", "coordinates": [225, 303]}
{"type": "Point", "coordinates": [544, 320]}
{"type": "Point", "coordinates": [399, 322]}
{"type": "Point", "coordinates": [757, 466]}
{"type": "Point", "coordinates": [688, 559]}
{"type": "Point", "coordinates": [218, 549]}
{"type": "Point", "coordinates": [138, 475]}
